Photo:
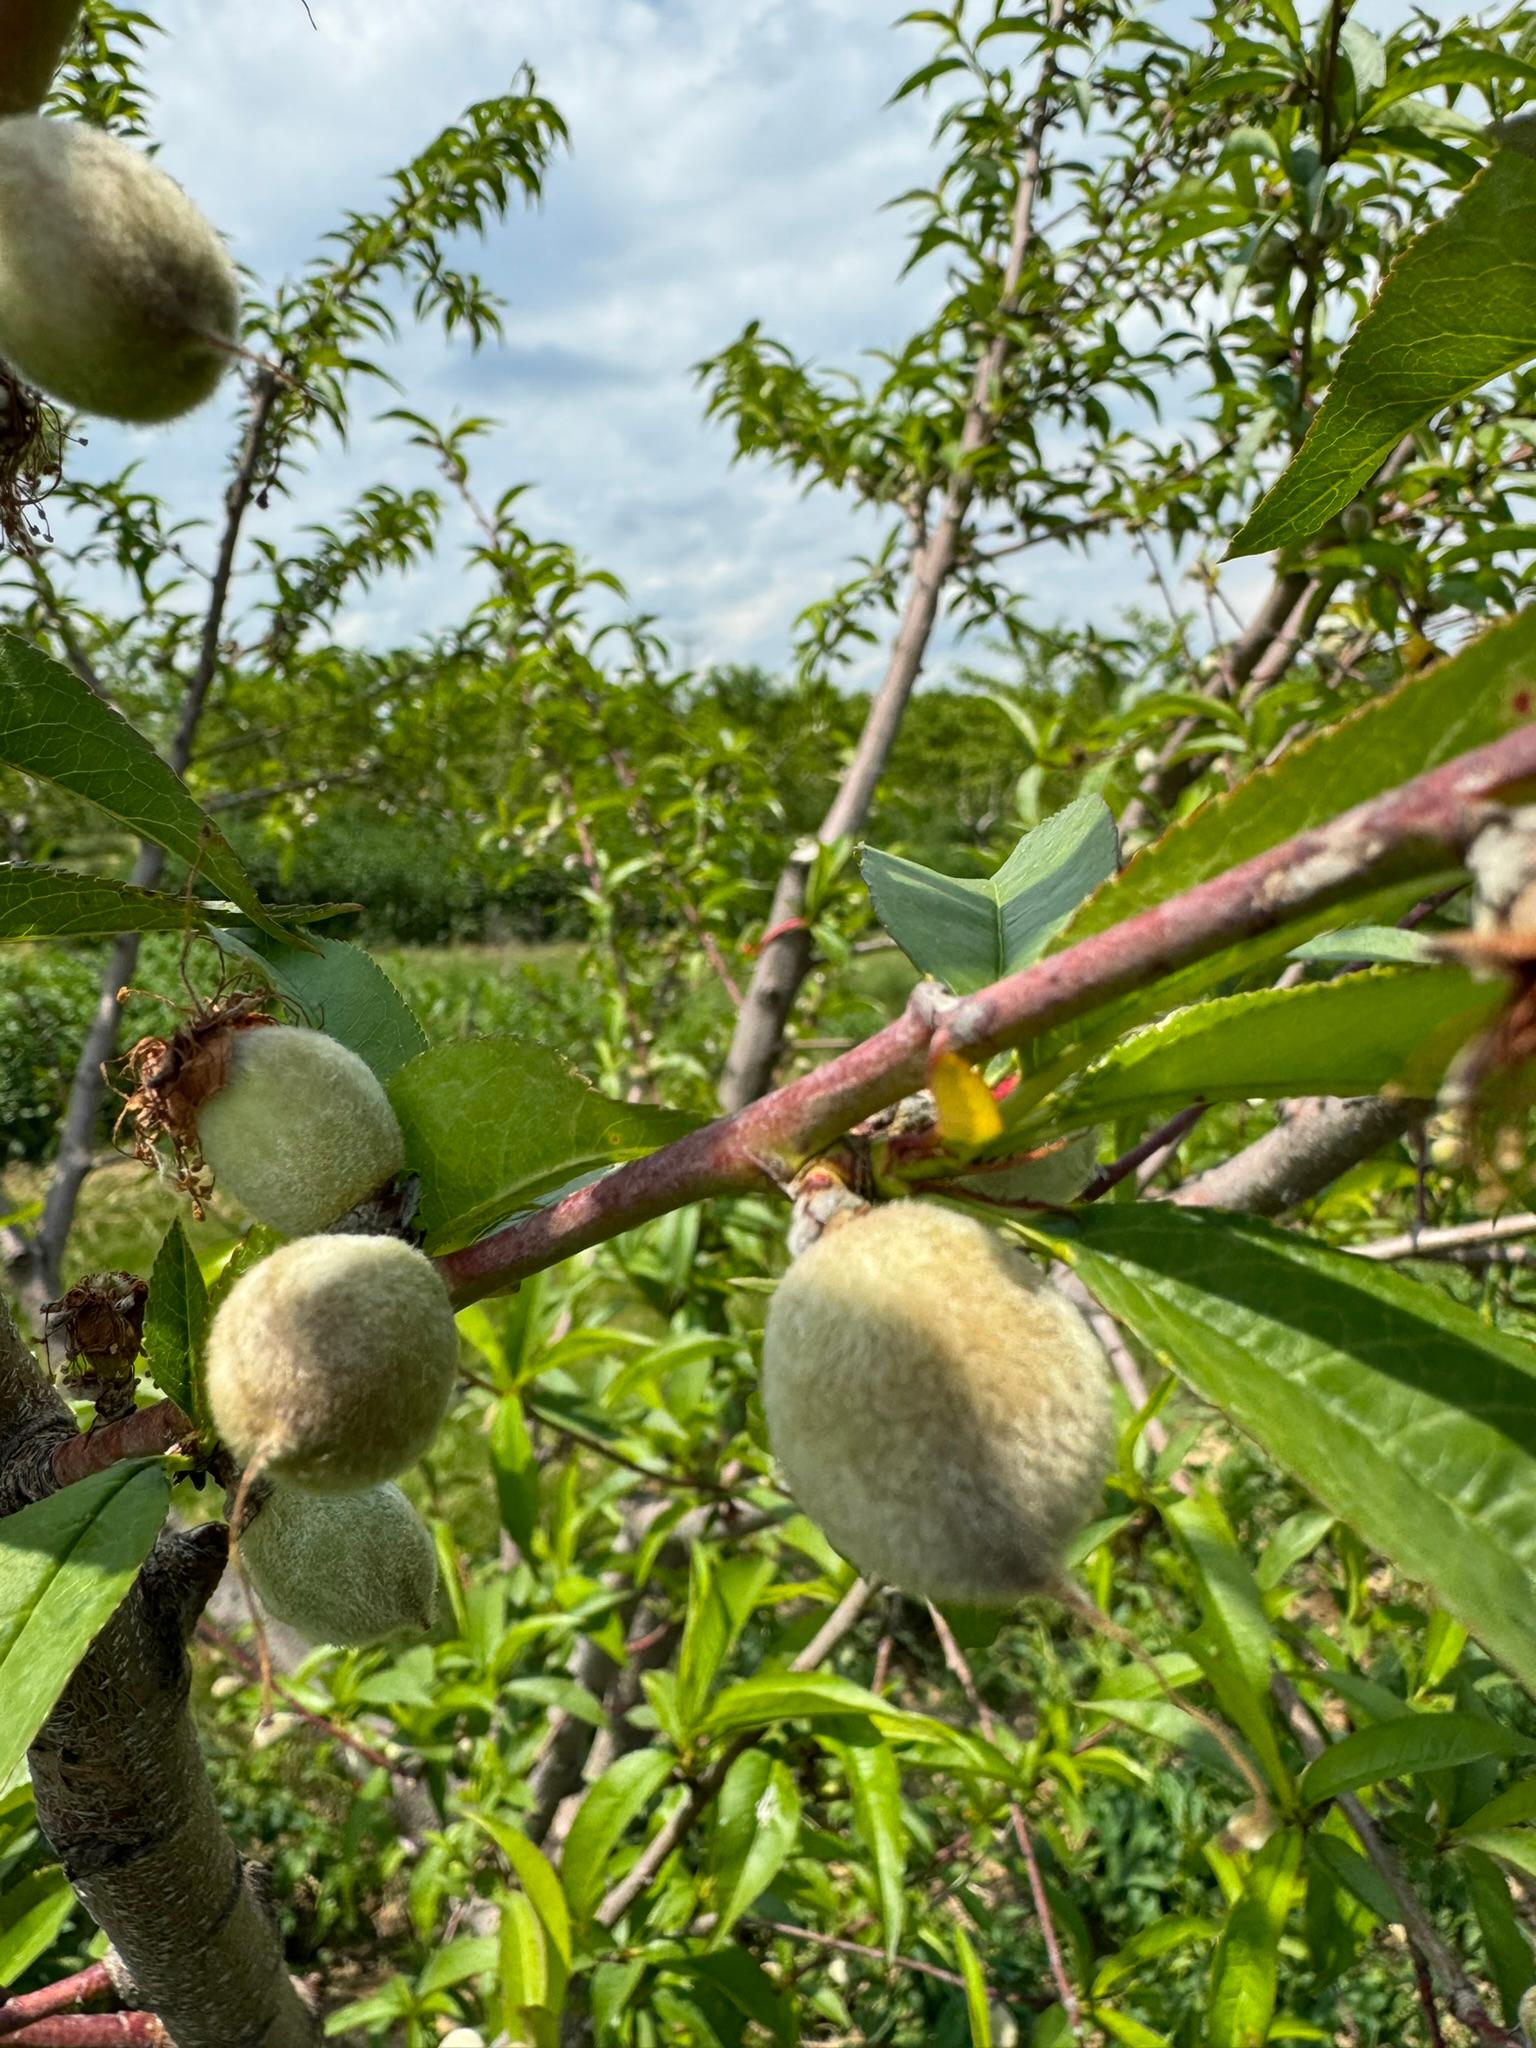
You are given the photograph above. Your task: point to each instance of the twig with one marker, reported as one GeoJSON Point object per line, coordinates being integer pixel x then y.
{"type": "Point", "coordinates": [94, 2030]}
{"type": "Point", "coordinates": [95, 1981]}
{"type": "Point", "coordinates": [703, 1789]}
{"type": "Point", "coordinates": [954, 1657]}
{"type": "Point", "coordinates": [210, 1633]}
{"type": "Point", "coordinates": [858, 1948]}
{"type": "Point", "coordinates": [1457, 1988]}
{"type": "Point", "coordinates": [1402, 833]}
{"type": "Point", "coordinates": [147, 1433]}
{"type": "Point", "coordinates": [1163, 1139]}
{"type": "Point", "coordinates": [1455, 1237]}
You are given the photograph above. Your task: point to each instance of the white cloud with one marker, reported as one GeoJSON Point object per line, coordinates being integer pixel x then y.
{"type": "Point", "coordinates": [729, 162]}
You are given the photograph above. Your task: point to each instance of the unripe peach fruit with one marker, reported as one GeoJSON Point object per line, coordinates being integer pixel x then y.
{"type": "Point", "coordinates": [938, 1408]}
{"type": "Point", "coordinates": [342, 1567]}
{"type": "Point", "coordinates": [330, 1365]}
{"type": "Point", "coordinates": [116, 295]}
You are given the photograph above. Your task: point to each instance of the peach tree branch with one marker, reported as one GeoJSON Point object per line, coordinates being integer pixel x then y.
{"type": "Point", "coordinates": [765, 1143]}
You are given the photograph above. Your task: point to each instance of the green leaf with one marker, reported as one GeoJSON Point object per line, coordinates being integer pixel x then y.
{"type": "Point", "coordinates": [493, 1124]}
{"type": "Point", "coordinates": [526, 1989]}
{"type": "Point", "coordinates": [757, 1826]}
{"type": "Point", "coordinates": [50, 903]}
{"type": "Point", "coordinates": [1505, 1942]}
{"type": "Point", "coordinates": [1515, 1846]}
{"type": "Point", "coordinates": [471, 1955]}
{"type": "Point", "coordinates": [706, 1638]}
{"type": "Point", "coordinates": [342, 991]}
{"type": "Point", "coordinates": [53, 727]}
{"type": "Point", "coordinates": [1359, 1877]}
{"type": "Point", "coordinates": [1234, 1644]}
{"type": "Point", "coordinates": [1456, 310]}
{"type": "Point", "coordinates": [66, 1564]}
{"type": "Point", "coordinates": [790, 1695]}
{"type": "Point", "coordinates": [1476, 696]}
{"type": "Point", "coordinates": [1246, 1966]}
{"type": "Point", "coordinates": [978, 2010]}
{"type": "Point", "coordinates": [536, 1875]}
{"type": "Point", "coordinates": [516, 1467]}
{"type": "Point", "coordinates": [874, 1786]}
{"type": "Point", "coordinates": [176, 1318]}
{"type": "Point", "coordinates": [1359, 1035]}
{"type": "Point", "coordinates": [32, 1916]}
{"type": "Point", "coordinates": [1403, 1747]}
{"type": "Point", "coordinates": [1399, 1410]}
{"type": "Point", "coordinates": [614, 1803]}
{"type": "Point", "coordinates": [1384, 945]}
{"type": "Point", "coordinates": [1509, 1808]}
{"type": "Point", "coordinates": [970, 933]}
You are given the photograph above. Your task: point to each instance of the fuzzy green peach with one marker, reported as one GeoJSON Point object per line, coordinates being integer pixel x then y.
{"type": "Point", "coordinates": [938, 1408]}
{"type": "Point", "coordinates": [300, 1131]}
{"type": "Point", "coordinates": [116, 295]}
{"type": "Point", "coordinates": [348, 1568]}
{"type": "Point", "coordinates": [331, 1364]}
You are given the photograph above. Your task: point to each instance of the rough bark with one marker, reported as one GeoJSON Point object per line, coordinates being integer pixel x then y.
{"type": "Point", "coordinates": [1322, 1139]}
{"type": "Point", "coordinates": [122, 1793]}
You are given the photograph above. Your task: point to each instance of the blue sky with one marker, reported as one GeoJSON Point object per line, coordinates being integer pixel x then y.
{"type": "Point", "coordinates": [730, 160]}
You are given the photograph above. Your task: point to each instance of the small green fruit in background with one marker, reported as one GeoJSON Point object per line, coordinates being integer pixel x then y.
{"type": "Point", "coordinates": [343, 1567]}
{"type": "Point", "coordinates": [330, 1365]}
{"type": "Point", "coordinates": [938, 1408]}
{"type": "Point", "coordinates": [300, 1130]}
{"type": "Point", "coordinates": [116, 295]}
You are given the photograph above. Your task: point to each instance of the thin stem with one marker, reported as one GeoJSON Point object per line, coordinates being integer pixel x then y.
{"type": "Point", "coordinates": [955, 1658]}
{"type": "Point", "coordinates": [702, 1790]}
{"type": "Point", "coordinates": [877, 1956]}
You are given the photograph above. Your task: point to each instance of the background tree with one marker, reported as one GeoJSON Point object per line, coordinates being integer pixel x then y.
{"type": "Point", "coordinates": [668, 1770]}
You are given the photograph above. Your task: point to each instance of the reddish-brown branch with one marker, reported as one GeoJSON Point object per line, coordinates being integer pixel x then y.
{"type": "Point", "coordinates": [147, 1433]}
{"type": "Point", "coordinates": [93, 1982]}
{"type": "Point", "coordinates": [1392, 835]}
{"type": "Point", "coordinates": [94, 2030]}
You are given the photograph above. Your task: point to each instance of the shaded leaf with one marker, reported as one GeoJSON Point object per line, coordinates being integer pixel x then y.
{"type": "Point", "coordinates": [516, 1466]}
{"type": "Point", "coordinates": [1401, 1411]}
{"type": "Point", "coordinates": [340, 990]}
{"type": "Point", "coordinates": [1402, 1747]}
{"type": "Point", "coordinates": [978, 2011]}
{"type": "Point", "coordinates": [49, 903]}
{"type": "Point", "coordinates": [493, 1124]}
{"type": "Point", "coordinates": [66, 1564]}
{"type": "Point", "coordinates": [176, 1319]}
